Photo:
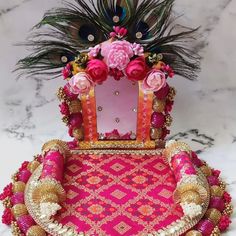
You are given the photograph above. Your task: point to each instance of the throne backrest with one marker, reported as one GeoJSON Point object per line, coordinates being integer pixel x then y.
{"type": "Point", "coordinates": [120, 114]}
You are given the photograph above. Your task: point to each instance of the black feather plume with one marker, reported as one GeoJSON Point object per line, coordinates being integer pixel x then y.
{"type": "Point", "coordinates": [85, 23]}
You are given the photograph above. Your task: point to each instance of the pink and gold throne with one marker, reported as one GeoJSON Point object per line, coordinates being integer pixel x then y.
{"type": "Point", "coordinates": [119, 176]}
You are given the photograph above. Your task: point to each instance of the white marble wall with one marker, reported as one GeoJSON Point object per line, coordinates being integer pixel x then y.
{"type": "Point", "coordinates": [205, 110]}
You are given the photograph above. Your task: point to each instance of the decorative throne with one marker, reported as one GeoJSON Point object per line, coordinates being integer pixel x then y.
{"type": "Point", "coordinates": [118, 176]}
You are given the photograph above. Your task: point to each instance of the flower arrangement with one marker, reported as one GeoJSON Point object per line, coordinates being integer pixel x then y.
{"type": "Point", "coordinates": [119, 59]}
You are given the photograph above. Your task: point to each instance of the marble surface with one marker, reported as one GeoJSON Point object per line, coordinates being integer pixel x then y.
{"type": "Point", "coordinates": [205, 110]}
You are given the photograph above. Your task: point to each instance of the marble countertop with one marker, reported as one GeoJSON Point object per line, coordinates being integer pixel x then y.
{"type": "Point", "coordinates": [205, 110]}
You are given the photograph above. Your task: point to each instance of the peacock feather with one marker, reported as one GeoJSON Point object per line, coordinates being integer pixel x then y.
{"type": "Point", "coordinates": [65, 32]}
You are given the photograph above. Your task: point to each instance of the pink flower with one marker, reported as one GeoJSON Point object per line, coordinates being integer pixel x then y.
{"type": "Point", "coordinates": [7, 217]}
{"type": "Point", "coordinates": [94, 51]}
{"type": "Point", "coordinates": [117, 54]}
{"type": "Point", "coordinates": [66, 72]}
{"type": "Point", "coordinates": [138, 49]}
{"type": "Point", "coordinates": [154, 81]}
{"type": "Point", "coordinates": [24, 165]}
{"type": "Point", "coordinates": [224, 223]}
{"type": "Point", "coordinates": [113, 134]}
{"type": "Point", "coordinates": [97, 70]}
{"type": "Point", "coordinates": [81, 83]}
{"type": "Point", "coordinates": [119, 32]}
{"type": "Point", "coordinates": [227, 198]}
{"type": "Point", "coordinates": [136, 69]}
{"type": "Point", "coordinates": [64, 109]}
{"type": "Point", "coordinates": [116, 74]}
{"type": "Point", "coordinates": [7, 192]}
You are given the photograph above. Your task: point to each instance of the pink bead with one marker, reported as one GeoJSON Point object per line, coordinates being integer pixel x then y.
{"type": "Point", "coordinates": [17, 198]}
{"type": "Point", "coordinates": [213, 180]}
{"type": "Point", "coordinates": [76, 120]}
{"type": "Point", "coordinates": [218, 203]}
{"type": "Point", "coordinates": [205, 227]}
{"type": "Point", "coordinates": [24, 175]}
{"type": "Point", "coordinates": [158, 120]}
{"type": "Point", "coordinates": [25, 222]}
{"type": "Point", "coordinates": [162, 93]}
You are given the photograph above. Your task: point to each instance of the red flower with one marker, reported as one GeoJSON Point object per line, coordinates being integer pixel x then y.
{"type": "Point", "coordinates": [227, 197]}
{"type": "Point", "coordinates": [216, 173]}
{"type": "Point", "coordinates": [224, 223]}
{"type": "Point", "coordinates": [116, 74]}
{"type": "Point", "coordinates": [24, 165]}
{"type": "Point", "coordinates": [168, 70]}
{"type": "Point", "coordinates": [69, 93]}
{"type": "Point", "coordinates": [66, 72]}
{"type": "Point", "coordinates": [169, 106]}
{"type": "Point", "coordinates": [113, 134]}
{"type": "Point", "coordinates": [7, 217]}
{"type": "Point", "coordinates": [64, 109]}
{"type": "Point", "coordinates": [7, 192]}
{"type": "Point", "coordinates": [72, 144]}
{"type": "Point", "coordinates": [76, 120]}
{"type": "Point", "coordinates": [165, 132]}
{"type": "Point", "coordinates": [98, 70]}
{"type": "Point", "coordinates": [136, 69]}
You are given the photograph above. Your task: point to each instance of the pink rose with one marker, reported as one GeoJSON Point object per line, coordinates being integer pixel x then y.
{"type": "Point", "coordinates": [154, 81]}
{"type": "Point", "coordinates": [98, 70]}
{"type": "Point", "coordinates": [81, 83]}
{"type": "Point", "coordinates": [136, 69]}
{"type": "Point", "coordinates": [117, 54]}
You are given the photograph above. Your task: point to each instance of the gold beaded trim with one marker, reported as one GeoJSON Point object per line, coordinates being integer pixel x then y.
{"type": "Point", "coordinates": [56, 145]}
{"type": "Point", "coordinates": [117, 144]}
{"type": "Point", "coordinates": [120, 152]}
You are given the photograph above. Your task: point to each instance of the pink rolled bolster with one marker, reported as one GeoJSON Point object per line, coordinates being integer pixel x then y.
{"type": "Point", "coordinates": [53, 166]}
{"type": "Point", "coordinates": [182, 164]}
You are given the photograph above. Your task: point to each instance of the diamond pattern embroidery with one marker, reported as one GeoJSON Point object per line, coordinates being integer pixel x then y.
{"type": "Point", "coordinates": [118, 194]}
{"type": "Point", "coordinates": [146, 210]}
{"type": "Point", "coordinates": [117, 167]}
{"type": "Point", "coordinates": [106, 196]}
{"type": "Point", "coordinates": [122, 225]}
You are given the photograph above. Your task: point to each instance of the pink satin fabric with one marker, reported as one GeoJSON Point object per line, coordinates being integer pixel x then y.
{"type": "Point", "coordinates": [53, 166]}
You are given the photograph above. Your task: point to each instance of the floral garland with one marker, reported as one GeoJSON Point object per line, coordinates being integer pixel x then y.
{"type": "Point", "coordinates": [117, 58]}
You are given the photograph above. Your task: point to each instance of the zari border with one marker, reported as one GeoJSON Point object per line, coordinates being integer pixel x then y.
{"type": "Point", "coordinates": [56, 229]}
{"type": "Point", "coordinates": [105, 144]}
